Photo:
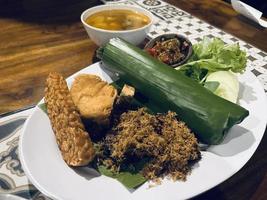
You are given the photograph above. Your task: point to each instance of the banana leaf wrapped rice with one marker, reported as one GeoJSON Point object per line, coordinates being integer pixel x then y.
{"type": "Point", "coordinates": [209, 116]}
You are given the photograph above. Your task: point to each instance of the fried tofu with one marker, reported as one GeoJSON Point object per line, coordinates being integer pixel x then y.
{"type": "Point", "coordinates": [93, 97]}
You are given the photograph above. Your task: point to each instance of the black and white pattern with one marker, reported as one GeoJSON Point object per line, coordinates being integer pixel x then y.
{"type": "Point", "coordinates": [12, 177]}
{"type": "Point", "coordinates": [10, 158]}
{"type": "Point", "coordinates": [152, 2]}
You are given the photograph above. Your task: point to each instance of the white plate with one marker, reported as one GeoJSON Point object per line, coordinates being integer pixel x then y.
{"type": "Point", "coordinates": [10, 197]}
{"type": "Point", "coordinates": [44, 166]}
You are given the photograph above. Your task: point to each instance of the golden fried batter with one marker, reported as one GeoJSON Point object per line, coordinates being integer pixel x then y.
{"type": "Point", "coordinates": [93, 97]}
{"type": "Point", "coordinates": [72, 139]}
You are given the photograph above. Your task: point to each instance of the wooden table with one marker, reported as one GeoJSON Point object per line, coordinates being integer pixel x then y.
{"type": "Point", "coordinates": [39, 36]}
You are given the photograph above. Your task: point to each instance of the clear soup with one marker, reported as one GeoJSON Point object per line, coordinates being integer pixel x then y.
{"type": "Point", "coordinates": [118, 20]}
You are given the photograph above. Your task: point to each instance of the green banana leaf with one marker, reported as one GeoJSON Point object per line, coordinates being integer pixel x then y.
{"type": "Point", "coordinates": [210, 117]}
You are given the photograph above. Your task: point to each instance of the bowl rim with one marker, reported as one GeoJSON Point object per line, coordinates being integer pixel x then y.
{"type": "Point", "coordinates": [117, 7]}
{"type": "Point", "coordinates": [151, 43]}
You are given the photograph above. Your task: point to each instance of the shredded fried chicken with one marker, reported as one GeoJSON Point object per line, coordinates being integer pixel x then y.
{"type": "Point", "coordinates": [167, 142]}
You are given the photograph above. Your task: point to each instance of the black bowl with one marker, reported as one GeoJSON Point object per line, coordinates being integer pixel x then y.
{"type": "Point", "coordinates": [187, 51]}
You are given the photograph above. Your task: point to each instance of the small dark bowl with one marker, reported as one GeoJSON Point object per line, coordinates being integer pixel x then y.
{"type": "Point", "coordinates": [187, 52]}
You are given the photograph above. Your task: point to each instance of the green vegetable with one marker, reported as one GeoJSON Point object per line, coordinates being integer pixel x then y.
{"type": "Point", "coordinates": [228, 87]}
{"type": "Point", "coordinates": [213, 55]}
{"type": "Point", "coordinates": [209, 116]}
{"type": "Point", "coordinates": [194, 72]}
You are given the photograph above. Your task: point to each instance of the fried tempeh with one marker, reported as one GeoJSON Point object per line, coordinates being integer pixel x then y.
{"type": "Point", "coordinates": [74, 142]}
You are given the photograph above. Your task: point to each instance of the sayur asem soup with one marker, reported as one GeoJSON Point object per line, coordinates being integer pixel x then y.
{"type": "Point", "coordinates": [118, 19]}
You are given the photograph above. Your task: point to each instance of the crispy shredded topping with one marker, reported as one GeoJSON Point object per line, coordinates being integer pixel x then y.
{"type": "Point", "coordinates": [166, 142]}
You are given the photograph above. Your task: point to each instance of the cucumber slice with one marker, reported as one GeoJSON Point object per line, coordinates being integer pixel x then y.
{"type": "Point", "coordinates": [229, 85]}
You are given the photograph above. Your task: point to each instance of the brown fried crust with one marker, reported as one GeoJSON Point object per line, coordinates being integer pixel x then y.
{"type": "Point", "coordinates": [74, 142]}
{"type": "Point", "coordinates": [93, 98]}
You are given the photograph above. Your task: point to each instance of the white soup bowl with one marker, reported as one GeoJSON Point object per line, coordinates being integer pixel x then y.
{"type": "Point", "coordinates": [101, 36]}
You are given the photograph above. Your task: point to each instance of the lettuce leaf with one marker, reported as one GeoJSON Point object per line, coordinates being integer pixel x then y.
{"type": "Point", "coordinates": [213, 55]}
{"type": "Point", "coordinates": [194, 72]}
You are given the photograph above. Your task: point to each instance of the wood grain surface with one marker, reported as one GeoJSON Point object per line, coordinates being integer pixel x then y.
{"type": "Point", "coordinates": [40, 36]}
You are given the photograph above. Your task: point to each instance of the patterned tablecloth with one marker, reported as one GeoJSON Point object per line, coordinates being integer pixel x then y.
{"type": "Point", "coordinates": [170, 19]}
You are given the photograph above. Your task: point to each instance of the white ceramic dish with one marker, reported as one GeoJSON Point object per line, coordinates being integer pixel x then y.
{"type": "Point", "coordinates": [100, 36]}
{"type": "Point", "coordinates": [10, 197]}
{"type": "Point", "coordinates": [44, 166]}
